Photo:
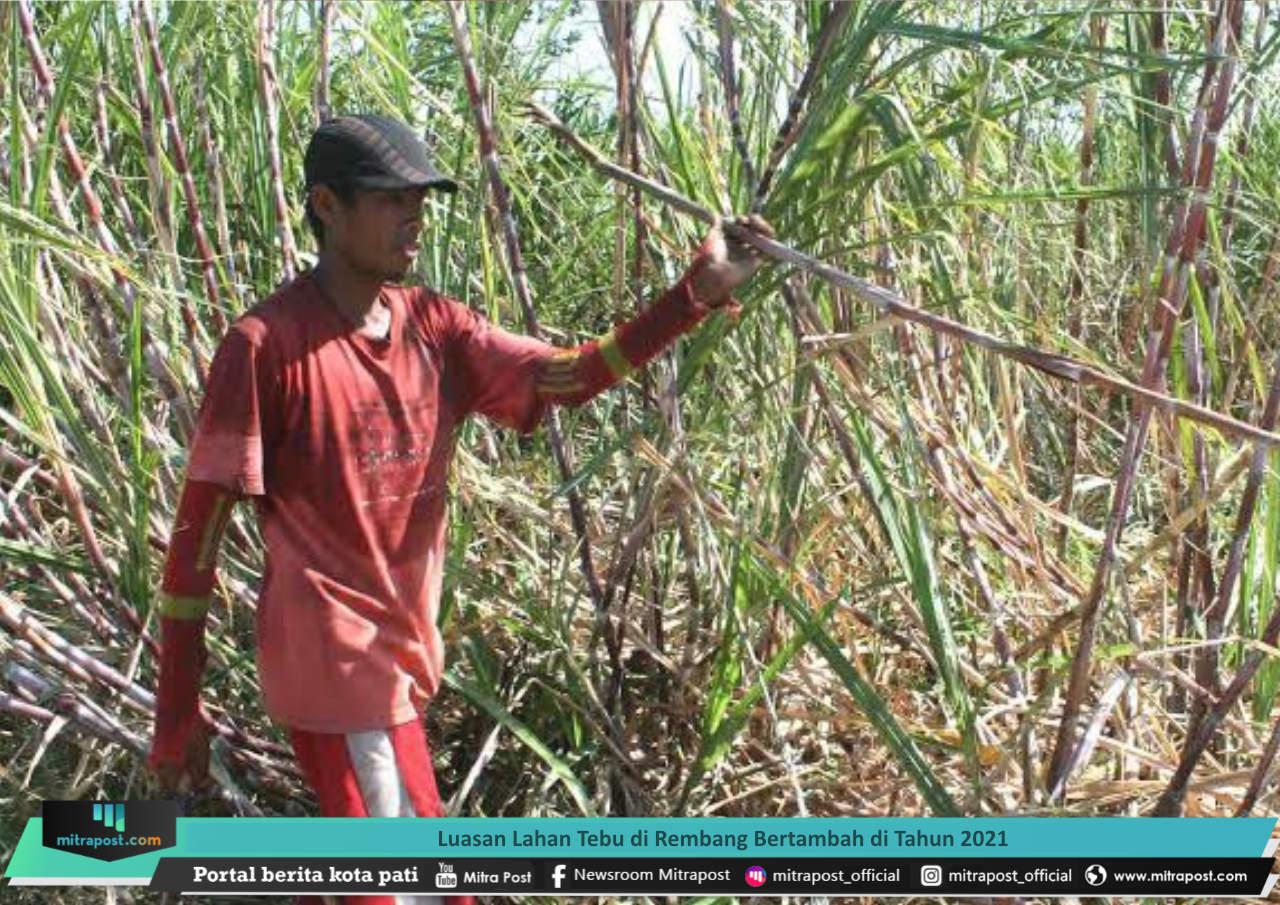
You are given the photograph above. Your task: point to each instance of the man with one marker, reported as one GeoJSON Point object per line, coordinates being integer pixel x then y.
{"type": "Point", "coordinates": [333, 404]}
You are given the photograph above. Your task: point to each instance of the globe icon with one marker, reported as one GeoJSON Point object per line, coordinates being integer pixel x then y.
{"type": "Point", "coordinates": [1095, 875]}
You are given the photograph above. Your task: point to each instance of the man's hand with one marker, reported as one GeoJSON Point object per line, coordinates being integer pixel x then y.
{"type": "Point", "coordinates": [725, 263]}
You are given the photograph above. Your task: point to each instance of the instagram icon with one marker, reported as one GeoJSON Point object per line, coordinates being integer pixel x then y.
{"type": "Point", "coordinates": [930, 875]}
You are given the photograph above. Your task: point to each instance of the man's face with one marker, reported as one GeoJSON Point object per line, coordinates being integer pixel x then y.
{"type": "Point", "coordinates": [377, 233]}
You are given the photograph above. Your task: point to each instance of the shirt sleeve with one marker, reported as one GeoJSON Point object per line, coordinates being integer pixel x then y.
{"type": "Point", "coordinates": [499, 370]}
{"type": "Point", "coordinates": [240, 415]}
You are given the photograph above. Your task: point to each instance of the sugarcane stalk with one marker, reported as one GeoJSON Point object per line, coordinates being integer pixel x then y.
{"type": "Point", "coordinates": [610, 26]}
{"type": "Point", "coordinates": [618, 22]}
{"type": "Point", "coordinates": [157, 181]}
{"type": "Point", "coordinates": [1170, 802]}
{"type": "Point", "coordinates": [621, 45]}
{"type": "Point", "coordinates": [489, 158]}
{"type": "Point", "coordinates": [728, 72]}
{"type": "Point", "coordinates": [267, 91]}
{"type": "Point", "coordinates": [15, 460]}
{"type": "Point", "coordinates": [69, 703]}
{"type": "Point", "coordinates": [19, 707]}
{"type": "Point", "coordinates": [1169, 304]}
{"type": "Point", "coordinates": [57, 194]}
{"type": "Point", "coordinates": [1243, 135]}
{"type": "Point", "coordinates": [323, 111]}
{"type": "Point", "coordinates": [103, 132]}
{"type": "Point", "coordinates": [1195, 570]}
{"type": "Point", "coordinates": [609, 13]}
{"type": "Point", "coordinates": [1196, 594]}
{"type": "Point", "coordinates": [1211, 283]}
{"type": "Point", "coordinates": [69, 657]}
{"type": "Point", "coordinates": [1216, 615]}
{"type": "Point", "coordinates": [1075, 288]}
{"type": "Point", "coordinates": [1061, 367]}
{"type": "Point", "coordinates": [22, 708]}
{"type": "Point", "coordinates": [178, 149]}
{"type": "Point", "coordinates": [633, 152]}
{"type": "Point", "coordinates": [213, 170]}
{"type": "Point", "coordinates": [1164, 89]}
{"type": "Point", "coordinates": [792, 125]}
{"type": "Point", "coordinates": [1260, 771]}
{"type": "Point", "coordinates": [1201, 577]}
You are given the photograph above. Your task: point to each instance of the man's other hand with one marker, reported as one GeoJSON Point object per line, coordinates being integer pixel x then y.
{"type": "Point", "coordinates": [180, 761]}
{"type": "Point", "coordinates": [725, 263]}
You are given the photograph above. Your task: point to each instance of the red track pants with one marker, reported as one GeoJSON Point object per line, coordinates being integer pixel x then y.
{"type": "Point", "coordinates": [379, 773]}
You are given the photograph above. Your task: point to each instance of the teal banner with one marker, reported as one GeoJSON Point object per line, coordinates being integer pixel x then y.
{"type": "Point", "coordinates": [1025, 837]}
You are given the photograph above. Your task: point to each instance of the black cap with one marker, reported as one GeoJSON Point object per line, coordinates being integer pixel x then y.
{"type": "Point", "coordinates": [373, 152]}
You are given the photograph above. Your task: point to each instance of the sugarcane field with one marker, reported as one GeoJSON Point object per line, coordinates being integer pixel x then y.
{"type": "Point", "coordinates": [723, 408]}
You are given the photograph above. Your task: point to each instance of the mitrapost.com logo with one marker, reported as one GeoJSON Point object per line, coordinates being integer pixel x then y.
{"type": "Point", "coordinates": [109, 830]}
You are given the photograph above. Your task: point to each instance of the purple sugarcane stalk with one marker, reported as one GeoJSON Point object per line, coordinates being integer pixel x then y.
{"type": "Point", "coordinates": [103, 132]}
{"type": "Point", "coordinates": [1164, 89]}
{"type": "Point", "coordinates": [1260, 771]}
{"type": "Point", "coordinates": [213, 166]}
{"type": "Point", "coordinates": [267, 90]}
{"type": "Point", "coordinates": [179, 150]}
{"type": "Point", "coordinates": [1216, 615]}
{"type": "Point", "coordinates": [790, 128]}
{"type": "Point", "coordinates": [322, 62]}
{"type": "Point", "coordinates": [489, 157]}
{"type": "Point", "coordinates": [1185, 236]}
{"type": "Point", "coordinates": [728, 72]}
{"type": "Point", "coordinates": [1170, 802]}
{"type": "Point", "coordinates": [1075, 289]}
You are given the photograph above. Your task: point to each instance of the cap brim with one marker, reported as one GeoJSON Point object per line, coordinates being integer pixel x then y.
{"type": "Point", "coordinates": [428, 181]}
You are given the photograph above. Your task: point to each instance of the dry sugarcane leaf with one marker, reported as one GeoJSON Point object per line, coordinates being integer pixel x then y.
{"type": "Point", "coordinates": [50, 731]}
{"type": "Point", "coordinates": [988, 755]}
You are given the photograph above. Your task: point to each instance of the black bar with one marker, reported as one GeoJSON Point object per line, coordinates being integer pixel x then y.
{"type": "Point", "coordinates": [782, 875]}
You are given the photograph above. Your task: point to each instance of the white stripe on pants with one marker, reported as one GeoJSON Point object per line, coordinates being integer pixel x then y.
{"type": "Point", "coordinates": [373, 758]}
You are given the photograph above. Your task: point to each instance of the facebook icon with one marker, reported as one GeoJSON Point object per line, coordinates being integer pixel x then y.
{"type": "Point", "coordinates": [557, 875]}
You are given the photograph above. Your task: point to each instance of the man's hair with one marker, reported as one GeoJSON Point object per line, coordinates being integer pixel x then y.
{"type": "Point", "coordinates": [346, 193]}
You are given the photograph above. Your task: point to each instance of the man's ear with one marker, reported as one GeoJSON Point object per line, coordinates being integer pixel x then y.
{"type": "Point", "coordinates": [324, 202]}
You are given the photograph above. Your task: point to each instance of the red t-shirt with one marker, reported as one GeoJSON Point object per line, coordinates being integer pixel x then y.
{"type": "Point", "coordinates": [345, 442]}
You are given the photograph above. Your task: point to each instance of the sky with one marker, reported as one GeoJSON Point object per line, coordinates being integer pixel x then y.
{"type": "Point", "coordinates": [590, 60]}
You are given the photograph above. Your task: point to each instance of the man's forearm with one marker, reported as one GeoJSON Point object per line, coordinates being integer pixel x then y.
{"type": "Point", "coordinates": [574, 376]}
{"type": "Point", "coordinates": [186, 592]}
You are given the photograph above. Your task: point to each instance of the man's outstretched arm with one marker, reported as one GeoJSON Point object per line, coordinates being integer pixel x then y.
{"type": "Point", "coordinates": [512, 379]}
{"type": "Point", "coordinates": [573, 376]}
